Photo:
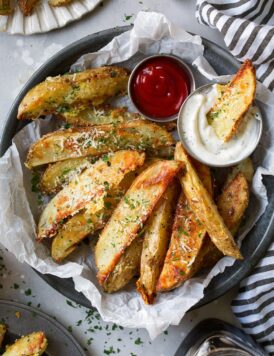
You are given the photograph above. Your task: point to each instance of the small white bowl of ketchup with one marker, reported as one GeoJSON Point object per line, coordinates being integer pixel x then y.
{"type": "Point", "coordinates": [159, 85]}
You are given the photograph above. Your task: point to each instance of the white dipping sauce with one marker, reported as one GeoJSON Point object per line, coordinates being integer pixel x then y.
{"type": "Point", "coordinates": [201, 140]}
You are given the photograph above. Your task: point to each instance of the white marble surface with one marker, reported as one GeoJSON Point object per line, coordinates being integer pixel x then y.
{"type": "Point", "coordinates": [19, 57]}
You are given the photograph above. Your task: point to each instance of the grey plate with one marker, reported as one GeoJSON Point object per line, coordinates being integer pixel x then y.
{"type": "Point", "coordinates": [60, 341]}
{"type": "Point", "coordinates": [254, 245]}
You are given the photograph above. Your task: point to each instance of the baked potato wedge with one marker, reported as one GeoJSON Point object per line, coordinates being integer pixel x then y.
{"type": "Point", "coordinates": [95, 141]}
{"type": "Point", "coordinates": [233, 201]}
{"type": "Point", "coordinates": [204, 208]}
{"type": "Point", "coordinates": [92, 116]}
{"type": "Point", "coordinates": [55, 94]}
{"type": "Point", "coordinates": [232, 204]}
{"type": "Point", "coordinates": [156, 240]}
{"type": "Point", "coordinates": [58, 174]}
{"type": "Point", "coordinates": [27, 6]}
{"type": "Point", "coordinates": [127, 267]}
{"type": "Point", "coordinates": [130, 215]}
{"type": "Point", "coordinates": [72, 232]}
{"type": "Point", "coordinates": [34, 344]}
{"type": "Point", "coordinates": [183, 256]}
{"type": "Point", "coordinates": [3, 330]}
{"type": "Point", "coordinates": [89, 187]}
{"type": "Point", "coordinates": [6, 7]}
{"type": "Point", "coordinates": [231, 106]}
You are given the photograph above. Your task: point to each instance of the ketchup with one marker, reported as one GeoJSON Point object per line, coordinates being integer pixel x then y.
{"type": "Point", "coordinates": [159, 87]}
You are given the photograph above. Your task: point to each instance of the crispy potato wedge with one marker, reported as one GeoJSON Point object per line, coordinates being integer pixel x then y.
{"type": "Point", "coordinates": [72, 232]}
{"type": "Point", "coordinates": [34, 344]}
{"type": "Point", "coordinates": [127, 267]}
{"type": "Point", "coordinates": [130, 215]}
{"type": "Point", "coordinates": [182, 259]}
{"type": "Point", "coordinates": [58, 174]}
{"type": "Point", "coordinates": [56, 3]}
{"type": "Point", "coordinates": [91, 87]}
{"type": "Point", "coordinates": [92, 116]}
{"type": "Point", "coordinates": [27, 6]}
{"type": "Point", "coordinates": [233, 201]}
{"type": "Point", "coordinates": [89, 186]}
{"type": "Point", "coordinates": [204, 208]}
{"type": "Point", "coordinates": [156, 240]}
{"type": "Point", "coordinates": [230, 108]}
{"type": "Point", "coordinates": [3, 330]}
{"type": "Point", "coordinates": [95, 141]}
{"type": "Point", "coordinates": [6, 7]}
{"type": "Point", "coordinates": [232, 204]}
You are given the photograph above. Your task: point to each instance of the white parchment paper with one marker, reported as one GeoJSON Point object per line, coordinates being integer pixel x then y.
{"type": "Point", "coordinates": [152, 33]}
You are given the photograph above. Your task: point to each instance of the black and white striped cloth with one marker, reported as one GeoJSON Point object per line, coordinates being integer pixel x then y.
{"type": "Point", "coordinates": [254, 304]}
{"type": "Point", "coordinates": [248, 30]}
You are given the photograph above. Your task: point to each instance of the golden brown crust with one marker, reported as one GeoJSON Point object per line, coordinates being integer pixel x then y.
{"type": "Point", "coordinates": [56, 94]}
{"type": "Point", "coordinates": [91, 186]}
{"type": "Point", "coordinates": [156, 240]}
{"type": "Point", "coordinates": [229, 111]}
{"type": "Point", "coordinates": [233, 201]}
{"type": "Point", "coordinates": [130, 215]}
{"type": "Point", "coordinates": [97, 140]}
{"type": "Point", "coordinates": [232, 204]}
{"type": "Point", "coordinates": [182, 259]}
{"type": "Point", "coordinates": [32, 344]}
{"type": "Point", "coordinates": [204, 208]}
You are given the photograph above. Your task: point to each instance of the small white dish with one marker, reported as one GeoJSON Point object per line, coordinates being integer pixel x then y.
{"type": "Point", "coordinates": [200, 140]}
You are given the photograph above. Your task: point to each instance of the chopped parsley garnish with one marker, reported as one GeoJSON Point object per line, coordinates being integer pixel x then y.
{"type": "Point", "coordinates": [138, 341]}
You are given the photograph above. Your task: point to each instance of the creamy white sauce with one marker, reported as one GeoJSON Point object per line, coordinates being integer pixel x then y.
{"type": "Point", "coordinates": [201, 140]}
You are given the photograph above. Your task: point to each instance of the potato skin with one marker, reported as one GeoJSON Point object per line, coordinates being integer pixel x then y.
{"type": "Point", "coordinates": [86, 222]}
{"type": "Point", "coordinates": [182, 258]}
{"type": "Point", "coordinates": [232, 204]}
{"type": "Point", "coordinates": [72, 232]}
{"type": "Point", "coordinates": [156, 240]}
{"type": "Point", "coordinates": [233, 201]}
{"type": "Point", "coordinates": [91, 186]}
{"type": "Point", "coordinates": [127, 267]}
{"type": "Point", "coordinates": [58, 174]}
{"type": "Point", "coordinates": [204, 208]}
{"type": "Point", "coordinates": [97, 140]}
{"type": "Point", "coordinates": [34, 344]}
{"type": "Point", "coordinates": [91, 87]}
{"type": "Point", "coordinates": [83, 115]}
{"type": "Point", "coordinates": [130, 215]}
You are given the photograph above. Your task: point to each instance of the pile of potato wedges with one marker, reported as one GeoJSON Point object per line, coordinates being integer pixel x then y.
{"type": "Point", "coordinates": [114, 172]}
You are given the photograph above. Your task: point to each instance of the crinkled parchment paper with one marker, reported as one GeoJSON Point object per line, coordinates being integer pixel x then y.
{"type": "Point", "coordinates": [152, 33]}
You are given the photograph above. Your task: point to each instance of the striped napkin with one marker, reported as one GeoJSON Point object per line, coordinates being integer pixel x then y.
{"type": "Point", "coordinates": [248, 30]}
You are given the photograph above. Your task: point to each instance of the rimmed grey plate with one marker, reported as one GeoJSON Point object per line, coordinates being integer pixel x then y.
{"type": "Point", "coordinates": [60, 341]}
{"type": "Point", "coordinates": [254, 245]}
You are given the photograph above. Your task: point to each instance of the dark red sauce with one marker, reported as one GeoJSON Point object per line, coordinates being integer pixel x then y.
{"type": "Point", "coordinates": [159, 87]}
